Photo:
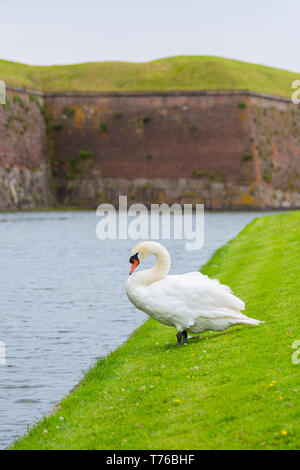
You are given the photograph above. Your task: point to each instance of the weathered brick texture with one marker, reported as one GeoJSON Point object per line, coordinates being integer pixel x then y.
{"type": "Point", "coordinates": [228, 150]}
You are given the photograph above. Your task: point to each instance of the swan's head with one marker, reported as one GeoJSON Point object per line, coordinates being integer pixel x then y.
{"type": "Point", "coordinates": [144, 249]}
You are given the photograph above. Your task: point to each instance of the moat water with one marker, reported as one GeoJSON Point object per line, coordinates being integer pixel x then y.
{"type": "Point", "coordinates": [63, 304]}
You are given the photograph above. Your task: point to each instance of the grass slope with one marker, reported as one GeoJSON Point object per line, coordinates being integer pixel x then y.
{"type": "Point", "coordinates": [232, 390]}
{"type": "Point", "coordinates": [174, 73]}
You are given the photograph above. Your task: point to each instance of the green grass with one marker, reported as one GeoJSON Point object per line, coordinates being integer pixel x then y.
{"type": "Point", "coordinates": [174, 73]}
{"type": "Point", "coordinates": [232, 390]}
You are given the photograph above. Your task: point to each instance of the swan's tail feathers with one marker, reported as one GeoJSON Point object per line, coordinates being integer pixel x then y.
{"type": "Point", "coordinates": [235, 303]}
{"type": "Point", "coordinates": [250, 321]}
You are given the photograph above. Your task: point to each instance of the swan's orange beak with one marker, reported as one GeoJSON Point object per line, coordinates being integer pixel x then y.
{"type": "Point", "coordinates": [133, 266]}
{"type": "Point", "coordinates": [134, 260]}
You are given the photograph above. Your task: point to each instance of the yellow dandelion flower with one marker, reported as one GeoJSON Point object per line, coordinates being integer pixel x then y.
{"type": "Point", "coordinates": [177, 401]}
{"type": "Point", "coordinates": [284, 432]}
{"type": "Point", "coordinates": [188, 376]}
{"type": "Point", "coordinates": [280, 398]}
{"type": "Point", "coordinates": [193, 355]}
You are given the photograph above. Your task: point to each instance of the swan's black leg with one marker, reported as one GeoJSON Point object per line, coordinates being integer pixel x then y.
{"type": "Point", "coordinates": [184, 334]}
{"type": "Point", "coordinates": [179, 337]}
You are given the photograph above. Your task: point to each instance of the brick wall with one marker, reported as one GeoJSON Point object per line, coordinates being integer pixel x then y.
{"type": "Point", "coordinates": [226, 149]}
{"type": "Point", "coordinates": [25, 180]}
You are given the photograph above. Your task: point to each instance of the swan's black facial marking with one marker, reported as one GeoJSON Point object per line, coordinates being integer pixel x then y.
{"type": "Point", "coordinates": [134, 260]}
{"type": "Point", "coordinates": [134, 257]}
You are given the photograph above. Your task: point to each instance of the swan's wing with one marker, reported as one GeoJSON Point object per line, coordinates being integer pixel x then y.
{"type": "Point", "coordinates": [196, 289]}
{"type": "Point", "coordinates": [191, 296]}
{"type": "Point", "coordinates": [197, 276]}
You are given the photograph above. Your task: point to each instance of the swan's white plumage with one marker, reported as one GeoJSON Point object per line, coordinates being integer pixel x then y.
{"type": "Point", "coordinates": [191, 301]}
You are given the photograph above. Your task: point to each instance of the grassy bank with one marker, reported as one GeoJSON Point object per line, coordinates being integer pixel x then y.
{"type": "Point", "coordinates": [174, 73]}
{"type": "Point", "coordinates": [230, 390]}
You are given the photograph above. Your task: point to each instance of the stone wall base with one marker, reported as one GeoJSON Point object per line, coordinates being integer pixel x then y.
{"type": "Point", "coordinates": [25, 189]}
{"type": "Point", "coordinates": [90, 192]}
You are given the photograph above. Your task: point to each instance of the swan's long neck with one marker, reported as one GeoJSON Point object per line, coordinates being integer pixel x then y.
{"type": "Point", "coordinates": [161, 268]}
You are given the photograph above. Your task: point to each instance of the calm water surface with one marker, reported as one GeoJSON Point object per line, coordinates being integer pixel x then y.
{"type": "Point", "coordinates": [63, 305]}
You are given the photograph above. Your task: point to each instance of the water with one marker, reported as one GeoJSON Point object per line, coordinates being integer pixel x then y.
{"type": "Point", "coordinates": [63, 305]}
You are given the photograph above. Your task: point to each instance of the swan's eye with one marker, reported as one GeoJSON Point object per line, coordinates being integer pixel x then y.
{"type": "Point", "coordinates": [134, 260]}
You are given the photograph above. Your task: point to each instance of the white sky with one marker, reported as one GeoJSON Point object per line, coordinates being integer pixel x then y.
{"type": "Point", "coordinates": [72, 31]}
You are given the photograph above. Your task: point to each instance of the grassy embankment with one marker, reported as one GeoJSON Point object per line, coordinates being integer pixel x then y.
{"type": "Point", "coordinates": [233, 390]}
{"type": "Point", "coordinates": [174, 73]}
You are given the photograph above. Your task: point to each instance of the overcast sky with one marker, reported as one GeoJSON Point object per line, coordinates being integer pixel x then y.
{"type": "Point", "coordinates": [70, 31]}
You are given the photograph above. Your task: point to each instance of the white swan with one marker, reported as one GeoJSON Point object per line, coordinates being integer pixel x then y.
{"type": "Point", "coordinates": [189, 302]}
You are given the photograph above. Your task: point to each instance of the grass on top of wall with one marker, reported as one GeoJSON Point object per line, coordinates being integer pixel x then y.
{"type": "Point", "coordinates": [173, 73]}
{"type": "Point", "coordinates": [237, 389]}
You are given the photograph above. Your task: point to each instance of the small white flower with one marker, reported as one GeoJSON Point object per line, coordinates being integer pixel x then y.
{"type": "Point", "coordinates": [57, 427]}
{"type": "Point", "coordinates": [61, 418]}
{"type": "Point", "coordinates": [45, 431]}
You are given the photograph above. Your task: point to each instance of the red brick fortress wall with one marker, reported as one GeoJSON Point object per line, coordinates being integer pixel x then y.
{"type": "Point", "coordinates": [230, 150]}
{"type": "Point", "coordinates": [25, 175]}
{"type": "Point", "coordinates": [226, 149]}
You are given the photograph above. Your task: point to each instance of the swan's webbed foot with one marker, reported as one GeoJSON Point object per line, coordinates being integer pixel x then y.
{"type": "Point", "coordinates": [185, 339]}
{"type": "Point", "coordinates": [179, 337]}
